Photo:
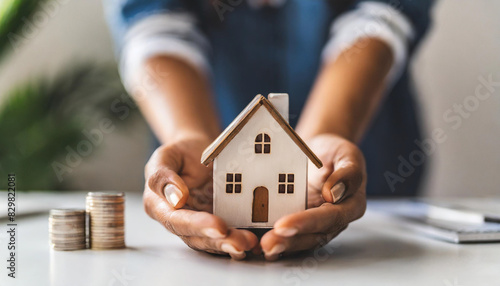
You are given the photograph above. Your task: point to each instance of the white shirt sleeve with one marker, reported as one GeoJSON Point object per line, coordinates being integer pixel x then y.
{"type": "Point", "coordinates": [170, 33]}
{"type": "Point", "coordinates": [372, 20]}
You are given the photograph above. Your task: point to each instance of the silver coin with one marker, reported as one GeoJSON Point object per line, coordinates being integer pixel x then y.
{"type": "Point", "coordinates": [67, 212]}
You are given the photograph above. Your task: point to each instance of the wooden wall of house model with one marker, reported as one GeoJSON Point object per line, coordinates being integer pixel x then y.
{"type": "Point", "coordinates": [260, 166]}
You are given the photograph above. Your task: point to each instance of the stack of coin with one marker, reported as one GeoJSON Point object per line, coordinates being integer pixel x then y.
{"type": "Point", "coordinates": [106, 220]}
{"type": "Point", "coordinates": [67, 229]}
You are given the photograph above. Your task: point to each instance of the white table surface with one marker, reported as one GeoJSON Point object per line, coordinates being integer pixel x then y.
{"type": "Point", "coordinates": [375, 250]}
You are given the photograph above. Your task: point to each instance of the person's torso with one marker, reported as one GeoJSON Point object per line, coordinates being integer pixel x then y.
{"type": "Point", "coordinates": [265, 50]}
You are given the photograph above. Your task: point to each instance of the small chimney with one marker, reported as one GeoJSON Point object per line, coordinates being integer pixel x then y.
{"type": "Point", "coordinates": [280, 102]}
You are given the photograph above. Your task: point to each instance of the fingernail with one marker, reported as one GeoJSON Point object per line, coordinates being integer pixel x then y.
{"type": "Point", "coordinates": [277, 249]}
{"type": "Point", "coordinates": [337, 192]}
{"type": "Point", "coordinates": [212, 233]}
{"type": "Point", "coordinates": [286, 231]}
{"type": "Point", "coordinates": [228, 248]}
{"type": "Point", "coordinates": [173, 194]}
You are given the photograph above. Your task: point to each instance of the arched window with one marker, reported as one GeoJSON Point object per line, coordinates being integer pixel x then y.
{"type": "Point", "coordinates": [262, 144]}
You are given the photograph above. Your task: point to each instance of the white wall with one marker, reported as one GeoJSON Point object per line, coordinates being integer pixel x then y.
{"type": "Point", "coordinates": [463, 45]}
{"type": "Point", "coordinates": [76, 30]}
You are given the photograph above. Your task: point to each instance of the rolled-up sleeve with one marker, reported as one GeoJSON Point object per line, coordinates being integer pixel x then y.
{"type": "Point", "coordinates": [400, 24]}
{"type": "Point", "coordinates": [144, 29]}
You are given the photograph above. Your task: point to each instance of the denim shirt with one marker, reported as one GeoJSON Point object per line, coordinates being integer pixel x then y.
{"type": "Point", "coordinates": [253, 51]}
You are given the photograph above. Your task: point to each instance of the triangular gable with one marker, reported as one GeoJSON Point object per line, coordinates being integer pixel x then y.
{"type": "Point", "coordinates": [234, 128]}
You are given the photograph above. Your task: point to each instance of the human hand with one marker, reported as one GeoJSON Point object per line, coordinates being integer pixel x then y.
{"type": "Point", "coordinates": [178, 194]}
{"type": "Point", "coordinates": [336, 197]}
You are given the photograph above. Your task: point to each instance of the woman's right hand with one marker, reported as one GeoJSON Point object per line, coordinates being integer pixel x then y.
{"type": "Point", "coordinates": [178, 194]}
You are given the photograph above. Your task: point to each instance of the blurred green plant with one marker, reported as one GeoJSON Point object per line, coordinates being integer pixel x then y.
{"type": "Point", "coordinates": [13, 14]}
{"type": "Point", "coordinates": [40, 119]}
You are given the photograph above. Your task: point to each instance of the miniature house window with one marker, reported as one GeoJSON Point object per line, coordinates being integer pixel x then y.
{"type": "Point", "coordinates": [233, 183]}
{"type": "Point", "coordinates": [286, 183]}
{"type": "Point", "coordinates": [262, 144]}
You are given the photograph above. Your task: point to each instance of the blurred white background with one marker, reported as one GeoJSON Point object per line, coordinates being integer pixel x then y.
{"type": "Point", "coordinates": [464, 44]}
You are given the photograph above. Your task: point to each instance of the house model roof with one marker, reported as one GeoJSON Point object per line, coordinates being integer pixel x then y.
{"type": "Point", "coordinates": [235, 127]}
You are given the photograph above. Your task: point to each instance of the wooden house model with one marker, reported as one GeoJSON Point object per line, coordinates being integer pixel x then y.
{"type": "Point", "coordinates": [259, 166]}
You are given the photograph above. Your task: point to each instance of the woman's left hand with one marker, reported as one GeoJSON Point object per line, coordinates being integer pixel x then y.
{"type": "Point", "coordinates": [336, 197]}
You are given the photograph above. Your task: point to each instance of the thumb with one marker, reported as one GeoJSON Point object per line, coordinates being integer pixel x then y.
{"type": "Point", "coordinates": [162, 178]}
{"type": "Point", "coordinates": [342, 183]}
{"type": "Point", "coordinates": [169, 185]}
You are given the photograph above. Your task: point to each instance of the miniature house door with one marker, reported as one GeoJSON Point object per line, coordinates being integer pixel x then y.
{"type": "Point", "coordinates": [260, 209]}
